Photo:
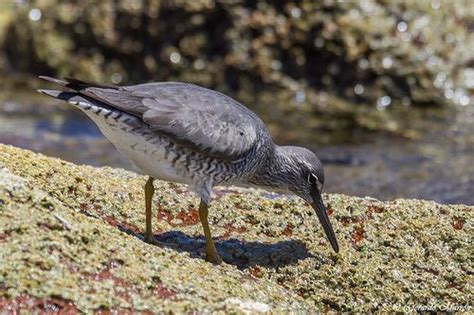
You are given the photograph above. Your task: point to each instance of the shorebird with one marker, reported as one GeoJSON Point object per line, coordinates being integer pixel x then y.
{"type": "Point", "coordinates": [185, 133]}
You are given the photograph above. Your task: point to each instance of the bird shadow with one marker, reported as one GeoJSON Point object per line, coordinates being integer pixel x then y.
{"type": "Point", "coordinates": [240, 253]}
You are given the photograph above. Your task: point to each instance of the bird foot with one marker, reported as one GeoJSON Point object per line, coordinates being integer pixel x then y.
{"type": "Point", "coordinates": [150, 239]}
{"type": "Point", "coordinates": [213, 258]}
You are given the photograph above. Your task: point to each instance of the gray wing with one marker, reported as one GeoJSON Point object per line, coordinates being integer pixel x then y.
{"type": "Point", "coordinates": [193, 116]}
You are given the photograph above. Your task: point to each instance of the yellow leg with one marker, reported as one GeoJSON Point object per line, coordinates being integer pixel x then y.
{"type": "Point", "coordinates": [149, 191]}
{"type": "Point", "coordinates": [211, 252]}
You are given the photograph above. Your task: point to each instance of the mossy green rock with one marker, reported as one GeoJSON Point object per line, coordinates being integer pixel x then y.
{"type": "Point", "coordinates": [71, 239]}
{"type": "Point", "coordinates": [334, 64]}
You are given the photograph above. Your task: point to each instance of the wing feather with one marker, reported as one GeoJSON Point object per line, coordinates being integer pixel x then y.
{"type": "Point", "coordinates": [193, 116]}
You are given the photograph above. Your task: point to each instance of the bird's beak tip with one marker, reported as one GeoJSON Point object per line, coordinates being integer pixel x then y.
{"type": "Point", "coordinates": [320, 210]}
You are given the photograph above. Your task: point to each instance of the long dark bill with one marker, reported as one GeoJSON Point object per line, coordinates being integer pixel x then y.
{"type": "Point", "coordinates": [322, 214]}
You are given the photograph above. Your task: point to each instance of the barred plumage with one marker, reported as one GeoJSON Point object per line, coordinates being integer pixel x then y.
{"type": "Point", "coordinates": [185, 133]}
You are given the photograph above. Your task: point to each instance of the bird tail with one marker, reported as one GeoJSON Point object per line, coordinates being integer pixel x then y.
{"type": "Point", "coordinates": [83, 100]}
{"type": "Point", "coordinates": [78, 97]}
{"type": "Point", "coordinates": [73, 98]}
{"type": "Point", "coordinates": [58, 94]}
{"type": "Point", "coordinates": [76, 84]}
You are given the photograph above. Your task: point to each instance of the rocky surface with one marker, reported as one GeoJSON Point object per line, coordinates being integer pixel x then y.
{"type": "Point", "coordinates": [335, 64]}
{"type": "Point", "coordinates": [71, 239]}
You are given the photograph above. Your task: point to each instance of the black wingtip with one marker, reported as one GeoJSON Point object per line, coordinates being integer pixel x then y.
{"type": "Point", "coordinates": [77, 84]}
{"type": "Point", "coordinates": [53, 80]}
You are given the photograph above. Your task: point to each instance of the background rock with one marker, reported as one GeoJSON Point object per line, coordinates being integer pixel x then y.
{"type": "Point", "coordinates": [336, 60]}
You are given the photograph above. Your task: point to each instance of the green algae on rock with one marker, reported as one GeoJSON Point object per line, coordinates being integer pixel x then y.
{"type": "Point", "coordinates": [71, 238]}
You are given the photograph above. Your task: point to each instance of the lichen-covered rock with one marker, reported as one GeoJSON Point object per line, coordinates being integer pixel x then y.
{"type": "Point", "coordinates": [325, 58]}
{"type": "Point", "coordinates": [71, 239]}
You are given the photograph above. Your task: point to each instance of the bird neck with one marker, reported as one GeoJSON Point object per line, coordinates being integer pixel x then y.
{"type": "Point", "coordinates": [279, 170]}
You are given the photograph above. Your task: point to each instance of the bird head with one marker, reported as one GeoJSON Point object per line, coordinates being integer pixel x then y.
{"type": "Point", "coordinates": [306, 179]}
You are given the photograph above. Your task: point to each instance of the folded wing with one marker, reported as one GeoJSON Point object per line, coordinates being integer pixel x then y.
{"type": "Point", "coordinates": [199, 118]}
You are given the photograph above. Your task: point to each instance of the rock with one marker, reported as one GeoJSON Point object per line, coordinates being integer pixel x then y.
{"type": "Point", "coordinates": [71, 239]}
{"type": "Point", "coordinates": [333, 64]}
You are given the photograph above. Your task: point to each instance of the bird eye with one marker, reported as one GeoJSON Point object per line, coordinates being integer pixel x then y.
{"type": "Point", "coordinates": [313, 179]}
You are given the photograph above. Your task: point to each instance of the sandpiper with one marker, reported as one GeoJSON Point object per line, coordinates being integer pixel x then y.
{"type": "Point", "coordinates": [185, 133]}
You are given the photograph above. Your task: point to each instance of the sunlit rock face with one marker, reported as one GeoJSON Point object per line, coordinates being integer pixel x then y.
{"type": "Point", "coordinates": [71, 239]}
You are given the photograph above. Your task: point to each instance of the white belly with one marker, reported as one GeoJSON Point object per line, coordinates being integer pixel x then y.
{"type": "Point", "coordinates": [148, 156]}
